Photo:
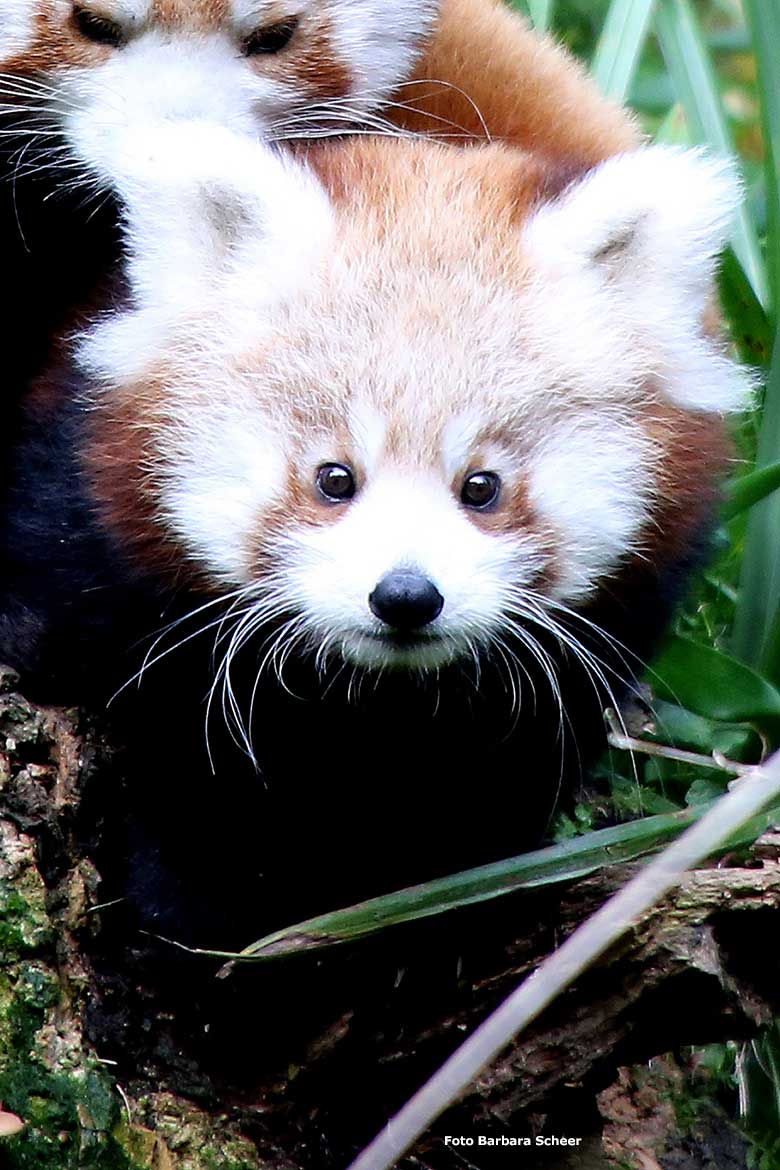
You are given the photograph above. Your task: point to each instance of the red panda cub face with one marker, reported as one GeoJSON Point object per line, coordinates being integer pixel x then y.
{"type": "Point", "coordinates": [400, 398]}
{"type": "Point", "coordinates": [85, 70]}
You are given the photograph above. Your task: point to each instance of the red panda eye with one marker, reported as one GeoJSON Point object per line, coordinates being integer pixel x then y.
{"type": "Point", "coordinates": [336, 482]}
{"type": "Point", "coordinates": [271, 39]}
{"type": "Point", "coordinates": [481, 490]}
{"type": "Point", "coordinates": [97, 28]}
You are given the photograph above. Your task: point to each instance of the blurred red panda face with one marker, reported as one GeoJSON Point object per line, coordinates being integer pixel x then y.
{"type": "Point", "coordinates": [402, 399]}
{"type": "Point", "coordinates": [82, 71]}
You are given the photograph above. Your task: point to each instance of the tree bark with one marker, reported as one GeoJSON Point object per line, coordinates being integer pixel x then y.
{"type": "Point", "coordinates": [293, 1066]}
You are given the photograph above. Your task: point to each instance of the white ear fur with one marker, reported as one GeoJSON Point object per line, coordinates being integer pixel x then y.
{"type": "Point", "coordinates": [381, 41]}
{"type": "Point", "coordinates": [663, 206]}
{"type": "Point", "coordinates": [642, 233]}
{"type": "Point", "coordinates": [217, 226]}
{"type": "Point", "coordinates": [200, 201]}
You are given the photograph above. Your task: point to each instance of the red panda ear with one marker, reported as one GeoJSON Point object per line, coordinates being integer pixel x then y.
{"type": "Point", "coordinates": [217, 227]}
{"type": "Point", "coordinates": [654, 214]}
{"type": "Point", "coordinates": [625, 259]}
{"type": "Point", "coordinates": [202, 204]}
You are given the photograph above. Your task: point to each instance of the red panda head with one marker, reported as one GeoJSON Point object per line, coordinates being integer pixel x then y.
{"type": "Point", "coordinates": [85, 70]}
{"type": "Point", "coordinates": [403, 397]}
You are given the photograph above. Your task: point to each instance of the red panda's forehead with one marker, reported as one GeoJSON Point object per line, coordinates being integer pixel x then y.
{"type": "Point", "coordinates": [442, 210]}
{"type": "Point", "coordinates": [189, 13]}
{"type": "Point", "coordinates": [216, 14]}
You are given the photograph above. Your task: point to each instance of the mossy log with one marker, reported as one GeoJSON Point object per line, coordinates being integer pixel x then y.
{"type": "Point", "coordinates": [109, 1070]}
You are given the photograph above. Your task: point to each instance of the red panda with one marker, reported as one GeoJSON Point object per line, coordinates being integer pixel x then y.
{"type": "Point", "coordinates": [398, 455]}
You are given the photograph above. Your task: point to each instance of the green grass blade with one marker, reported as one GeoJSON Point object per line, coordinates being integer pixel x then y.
{"type": "Point", "coordinates": [757, 620]}
{"type": "Point", "coordinates": [620, 46]}
{"type": "Point", "coordinates": [688, 61]}
{"type": "Point", "coordinates": [541, 13]}
{"type": "Point", "coordinates": [751, 330]}
{"type": "Point", "coordinates": [557, 863]}
{"type": "Point", "coordinates": [751, 489]}
{"type": "Point", "coordinates": [757, 623]}
{"type": "Point", "coordinates": [764, 20]}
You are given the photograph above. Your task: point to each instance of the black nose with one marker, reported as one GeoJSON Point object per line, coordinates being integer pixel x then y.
{"type": "Point", "coordinates": [406, 600]}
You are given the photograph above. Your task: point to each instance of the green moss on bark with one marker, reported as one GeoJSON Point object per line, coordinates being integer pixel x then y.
{"type": "Point", "coordinates": [75, 1116]}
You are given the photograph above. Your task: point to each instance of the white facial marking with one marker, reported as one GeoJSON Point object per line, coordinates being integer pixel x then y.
{"type": "Point", "coordinates": [152, 81]}
{"type": "Point", "coordinates": [124, 12]}
{"type": "Point", "coordinates": [17, 27]}
{"type": "Point", "coordinates": [227, 466]}
{"type": "Point", "coordinates": [368, 429]}
{"type": "Point", "coordinates": [380, 41]}
{"type": "Point", "coordinates": [249, 15]}
{"type": "Point", "coordinates": [130, 14]}
{"type": "Point", "coordinates": [591, 479]}
{"type": "Point", "coordinates": [460, 435]}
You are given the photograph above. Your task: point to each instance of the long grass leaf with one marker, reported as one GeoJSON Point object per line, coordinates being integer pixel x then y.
{"type": "Point", "coordinates": [541, 13]}
{"type": "Point", "coordinates": [557, 863]}
{"type": "Point", "coordinates": [688, 61]}
{"type": "Point", "coordinates": [751, 329]}
{"type": "Point", "coordinates": [749, 490]}
{"type": "Point", "coordinates": [764, 20]}
{"type": "Point", "coordinates": [757, 620]}
{"type": "Point", "coordinates": [757, 623]}
{"type": "Point", "coordinates": [620, 46]}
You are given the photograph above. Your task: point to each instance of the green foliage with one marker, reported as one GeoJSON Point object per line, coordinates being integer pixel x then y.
{"type": "Point", "coordinates": [574, 856]}
{"type": "Point", "coordinates": [712, 683]}
{"type": "Point", "coordinates": [706, 72]}
{"type": "Point", "coordinates": [620, 45]}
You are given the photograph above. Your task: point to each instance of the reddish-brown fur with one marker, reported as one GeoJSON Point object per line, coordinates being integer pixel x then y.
{"type": "Point", "coordinates": [504, 79]}
{"type": "Point", "coordinates": [57, 46]}
{"type": "Point", "coordinates": [696, 451]}
{"type": "Point", "coordinates": [124, 490]}
{"type": "Point", "coordinates": [316, 68]}
{"type": "Point", "coordinates": [203, 14]}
